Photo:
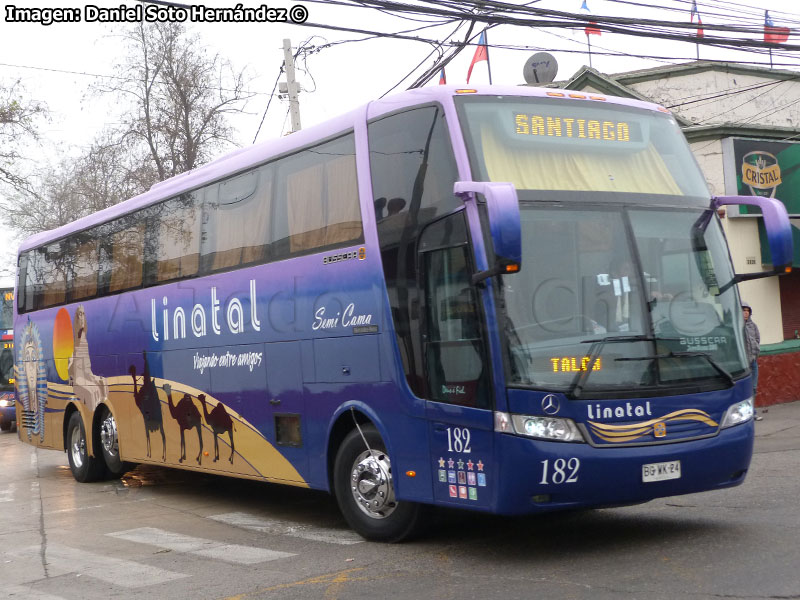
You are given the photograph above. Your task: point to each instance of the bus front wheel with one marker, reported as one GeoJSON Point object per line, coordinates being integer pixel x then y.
{"type": "Point", "coordinates": [364, 487]}
{"type": "Point", "coordinates": [84, 468]}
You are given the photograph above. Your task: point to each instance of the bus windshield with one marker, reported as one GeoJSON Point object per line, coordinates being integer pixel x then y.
{"type": "Point", "coordinates": [619, 299]}
{"type": "Point", "coordinates": [578, 146]}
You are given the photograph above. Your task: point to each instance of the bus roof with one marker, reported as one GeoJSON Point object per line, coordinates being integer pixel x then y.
{"type": "Point", "coordinates": [244, 158]}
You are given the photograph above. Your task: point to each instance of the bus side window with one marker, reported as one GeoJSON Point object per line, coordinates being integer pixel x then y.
{"type": "Point", "coordinates": [84, 251]}
{"type": "Point", "coordinates": [52, 260]}
{"type": "Point", "coordinates": [236, 226]}
{"type": "Point", "coordinates": [455, 353]}
{"type": "Point", "coordinates": [317, 202]}
{"type": "Point", "coordinates": [175, 238]}
{"type": "Point", "coordinates": [127, 253]}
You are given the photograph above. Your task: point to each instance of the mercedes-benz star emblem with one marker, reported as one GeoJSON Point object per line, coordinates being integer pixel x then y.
{"type": "Point", "coordinates": [550, 404]}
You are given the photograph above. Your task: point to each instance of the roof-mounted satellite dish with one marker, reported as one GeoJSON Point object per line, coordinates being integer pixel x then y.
{"type": "Point", "coordinates": [540, 68]}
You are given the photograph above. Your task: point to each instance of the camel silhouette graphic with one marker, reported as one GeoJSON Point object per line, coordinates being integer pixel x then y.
{"type": "Point", "coordinates": [188, 417]}
{"type": "Point", "coordinates": [220, 422]}
{"type": "Point", "coordinates": [148, 402]}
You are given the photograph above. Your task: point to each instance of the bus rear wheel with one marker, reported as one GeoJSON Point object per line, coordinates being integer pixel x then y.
{"type": "Point", "coordinates": [364, 487]}
{"type": "Point", "coordinates": [84, 468]}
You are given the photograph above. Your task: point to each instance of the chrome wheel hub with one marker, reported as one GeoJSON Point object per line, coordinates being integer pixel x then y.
{"type": "Point", "coordinates": [371, 484]}
{"type": "Point", "coordinates": [77, 447]}
{"type": "Point", "coordinates": [108, 435]}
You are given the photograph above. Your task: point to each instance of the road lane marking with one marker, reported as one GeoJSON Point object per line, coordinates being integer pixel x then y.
{"type": "Point", "coordinates": [281, 527]}
{"type": "Point", "coordinates": [234, 553]}
{"type": "Point", "coordinates": [63, 560]}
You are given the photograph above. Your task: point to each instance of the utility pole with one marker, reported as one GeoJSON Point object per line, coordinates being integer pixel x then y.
{"type": "Point", "coordinates": [291, 85]}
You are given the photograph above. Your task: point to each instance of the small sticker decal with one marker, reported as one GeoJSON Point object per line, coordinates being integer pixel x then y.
{"type": "Point", "coordinates": [462, 492]}
{"type": "Point", "coordinates": [470, 464]}
{"type": "Point", "coordinates": [460, 464]}
{"type": "Point", "coordinates": [473, 493]}
{"type": "Point", "coordinates": [453, 491]}
{"type": "Point", "coordinates": [442, 476]}
{"type": "Point", "coordinates": [451, 476]}
{"type": "Point", "coordinates": [471, 480]}
{"type": "Point", "coordinates": [441, 463]}
{"type": "Point", "coordinates": [482, 479]}
{"type": "Point", "coordinates": [462, 477]}
{"type": "Point", "coordinates": [362, 253]}
{"type": "Point", "coordinates": [450, 463]}
{"type": "Point", "coordinates": [480, 465]}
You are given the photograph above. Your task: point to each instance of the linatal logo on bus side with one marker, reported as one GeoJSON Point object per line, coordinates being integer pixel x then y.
{"type": "Point", "coordinates": [198, 319]}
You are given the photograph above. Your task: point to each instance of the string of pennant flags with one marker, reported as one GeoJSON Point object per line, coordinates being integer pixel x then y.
{"type": "Point", "coordinates": [773, 34]}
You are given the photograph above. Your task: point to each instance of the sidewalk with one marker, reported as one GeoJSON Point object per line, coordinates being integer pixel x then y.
{"type": "Point", "coordinates": [780, 428]}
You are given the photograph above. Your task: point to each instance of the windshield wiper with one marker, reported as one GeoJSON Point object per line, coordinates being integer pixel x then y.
{"type": "Point", "coordinates": [594, 353]}
{"type": "Point", "coordinates": [717, 367]}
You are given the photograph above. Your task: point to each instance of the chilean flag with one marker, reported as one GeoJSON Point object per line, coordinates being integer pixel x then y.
{"type": "Point", "coordinates": [772, 34]}
{"type": "Point", "coordinates": [696, 15]}
{"type": "Point", "coordinates": [590, 30]}
{"type": "Point", "coordinates": [442, 77]}
{"type": "Point", "coordinates": [481, 53]}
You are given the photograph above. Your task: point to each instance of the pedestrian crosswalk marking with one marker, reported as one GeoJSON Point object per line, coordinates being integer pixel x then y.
{"type": "Point", "coordinates": [177, 542]}
{"type": "Point", "coordinates": [7, 492]}
{"type": "Point", "coordinates": [63, 560]}
{"type": "Point", "coordinates": [282, 527]}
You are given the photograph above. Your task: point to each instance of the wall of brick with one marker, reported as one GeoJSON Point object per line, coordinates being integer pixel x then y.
{"type": "Point", "coordinates": [778, 378]}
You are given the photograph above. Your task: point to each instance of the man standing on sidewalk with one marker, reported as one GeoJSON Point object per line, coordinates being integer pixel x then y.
{"type": "Point", "coordinates": [752, 347]}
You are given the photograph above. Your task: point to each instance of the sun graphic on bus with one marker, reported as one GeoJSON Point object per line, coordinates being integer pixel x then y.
{"type": "Point", "coordinates": [63, 343]}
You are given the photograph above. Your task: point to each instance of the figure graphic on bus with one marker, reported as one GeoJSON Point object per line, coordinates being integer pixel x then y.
{"type": "Point", "coordinates": [88, 387]}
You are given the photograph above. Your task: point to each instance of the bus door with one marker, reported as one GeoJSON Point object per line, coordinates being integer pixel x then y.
{"type": "Point", "coordinates": [459, 408]}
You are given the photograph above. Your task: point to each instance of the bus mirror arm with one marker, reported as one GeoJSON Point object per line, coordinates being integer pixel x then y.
{"type": "Point", "coordinates": [777, 226]}
{"type": "Point", "coordinates": [505, 226]}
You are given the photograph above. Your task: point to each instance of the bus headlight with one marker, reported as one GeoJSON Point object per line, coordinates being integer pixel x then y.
{"type": "Point", "coordinates": [547, 428]}
{"type": "Point", "coordinates": [741, 412]}
{"type": "Point", "coordinates": [6, 402]}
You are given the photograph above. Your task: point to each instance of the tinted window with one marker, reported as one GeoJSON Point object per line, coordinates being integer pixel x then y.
{"type": "Point", "coordinates": [304, 202]}
{"type": "Point", "coordinates": [176, 225]}
{"type": "Point", "coordinates": [237, 220]}
{"type": "Point", "coordinates": [319, 198]}
{"type": "Point", "coordinates": [413, 171]}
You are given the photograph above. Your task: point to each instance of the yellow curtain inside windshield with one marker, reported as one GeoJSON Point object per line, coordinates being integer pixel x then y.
{"type": "Point", "coordinates": [548, 168]}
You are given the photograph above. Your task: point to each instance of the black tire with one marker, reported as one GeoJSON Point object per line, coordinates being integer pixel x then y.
{"type": "Point", "coordinates": [387, 520]}
{"type": "Point", "coordinates": [107, 441]}
{"type": "Point", "coordinates": [84, 468]}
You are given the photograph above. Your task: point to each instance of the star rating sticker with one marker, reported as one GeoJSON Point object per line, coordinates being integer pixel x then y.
{"type": "Point", "coordinates": [451, 463]}
{"type": "Point", "coordinates": [460, 464]}
{"type": "Point", "coordinates": [480, 465]}
{"type": "Point", "coordinates": [441, 463]}
{"type": "Point", "coordinates": [470, 464]}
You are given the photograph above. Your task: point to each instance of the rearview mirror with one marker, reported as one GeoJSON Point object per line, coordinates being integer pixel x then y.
{"type": "Point", "coordinates": [504, 224]}
{"type": "Point", "coordinates": [776, 223]}
{"type": "Point", "coordinates": [778, 228]}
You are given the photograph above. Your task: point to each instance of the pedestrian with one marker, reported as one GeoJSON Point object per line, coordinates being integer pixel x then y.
{"type": "Point", "coordinates": [752, 347]}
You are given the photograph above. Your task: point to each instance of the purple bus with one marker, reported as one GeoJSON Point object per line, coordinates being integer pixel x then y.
{"type": "Point", "coordinates": [509, 300]}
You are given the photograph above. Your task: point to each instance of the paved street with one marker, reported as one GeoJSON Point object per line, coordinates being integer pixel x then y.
{"type": "Point", "coordinates": [170, 534]}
